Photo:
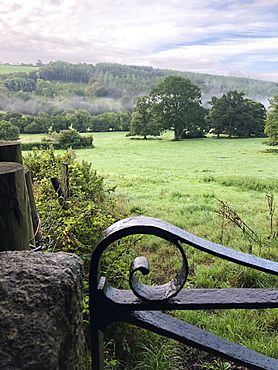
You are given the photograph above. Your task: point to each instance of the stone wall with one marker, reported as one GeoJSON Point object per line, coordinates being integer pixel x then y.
{"type": "Point", "coordinates": [41, 311]}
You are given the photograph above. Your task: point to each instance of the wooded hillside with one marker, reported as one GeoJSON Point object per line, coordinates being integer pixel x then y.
{"type": "Point", "coordinates": [107, 87]}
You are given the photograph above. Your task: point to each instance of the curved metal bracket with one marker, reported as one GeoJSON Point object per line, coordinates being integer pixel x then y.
{"type": "Point", "coordinates": [108, 304]}
{"type": "Point", "coordinates": [160, 292]}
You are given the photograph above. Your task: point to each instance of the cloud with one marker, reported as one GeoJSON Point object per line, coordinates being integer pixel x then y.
{"type": "Point", "coordinates": [212, 35]}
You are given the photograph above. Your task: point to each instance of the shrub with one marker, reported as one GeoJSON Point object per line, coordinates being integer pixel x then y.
{"type": "Point", "coordinates": [73, 139]}
{"type": "Point", "coordinates": [8, 132]}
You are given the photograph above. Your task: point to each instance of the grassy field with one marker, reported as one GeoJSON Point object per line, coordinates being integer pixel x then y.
{"type": "Point", "coordinates": [180, 182]}
{"type": "Point", "coordinates": [12, 69]}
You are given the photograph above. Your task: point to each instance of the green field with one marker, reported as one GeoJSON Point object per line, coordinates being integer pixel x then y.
{"type": "Point", "coordinates": [13, 69]}
{"type": "Point", "coordinates": [180, 182]}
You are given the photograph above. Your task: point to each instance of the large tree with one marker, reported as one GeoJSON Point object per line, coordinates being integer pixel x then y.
{"type": "Point", "coordinates": [271, 123]}
{"type": "Point", "coordinates": [177, 106]}
{"type": "Point", "coordinates": [142, 119]}
{"type": "Point", "coordinates": [233, 115]}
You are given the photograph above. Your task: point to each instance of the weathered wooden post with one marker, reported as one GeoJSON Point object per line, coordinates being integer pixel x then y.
{"type": "Point", "coordinates": [33, 209]}
{"type": "Point", "coordinates": [65, 179]}
{"type": "Point", "coordinates": [16, 228]}
{"type": "Point", "coordinates": [10, 151]}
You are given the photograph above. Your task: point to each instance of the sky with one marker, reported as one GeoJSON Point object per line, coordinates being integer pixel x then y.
{"type": "Point", "coordinates": [223, 37]}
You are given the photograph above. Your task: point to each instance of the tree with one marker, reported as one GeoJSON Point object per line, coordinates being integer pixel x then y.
{"type": "Point", "coordinates": [233, 115]}
{"type": "Point", "coordinates": [254, 126]}
{"type": "Point", "coordinates": [176, 104]}
{"type": "Point", "coordinates": [142, 119]}
{"type": "Point", "coordinates": [271, 122]}
{"type": "Point", "coordinates": [8, 132]}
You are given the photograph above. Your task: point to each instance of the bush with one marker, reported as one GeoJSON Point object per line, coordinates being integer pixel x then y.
{"type": "Point", "coordinates": [8, 132]}
{"type": "Point", "coordinates": [73, 139]}
{"type": "Point", "coordinates": [90, 208]}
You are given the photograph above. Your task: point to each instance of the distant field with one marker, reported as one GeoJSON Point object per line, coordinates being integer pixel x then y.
{"type": "Point", "coordinates": [12, 69]}
{"type": "Point", "coordinates": [27, 138]}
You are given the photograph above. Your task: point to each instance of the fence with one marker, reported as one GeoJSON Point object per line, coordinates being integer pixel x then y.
{"type": "Point", "coordinates": [139, 305]}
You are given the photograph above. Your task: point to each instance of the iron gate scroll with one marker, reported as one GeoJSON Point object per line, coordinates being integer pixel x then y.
{"type": "Point", "coordinates": [139, 305]}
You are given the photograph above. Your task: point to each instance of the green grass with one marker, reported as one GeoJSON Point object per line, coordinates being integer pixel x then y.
{"type": "Point", "coordinates": [12, 69]}
{"type": "Point", "coordinates": [27, 138]}
{"type": "Point", "coordinates": [179, 183]}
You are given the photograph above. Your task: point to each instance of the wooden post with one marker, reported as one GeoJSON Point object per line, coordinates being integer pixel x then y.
{"type": "Point", "coordinates": [32, 205]}
{"type": "Point", "coordinates": [10, 151]}
{"type": "Point", "coordinates": [58, 188]}
{"type": "Point", "coordinates": [65, 179]}
{"type": "Point", "coordinates": [15, 222]}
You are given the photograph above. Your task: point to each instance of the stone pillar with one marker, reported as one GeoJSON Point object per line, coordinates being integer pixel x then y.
{"type": "Point", "coordinates": [41, 311]}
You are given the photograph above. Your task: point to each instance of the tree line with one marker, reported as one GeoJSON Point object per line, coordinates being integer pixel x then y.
{"type": "Point", "coordinates": [175, 104]}
{"type": "Point", "coordinates": [13, 123]}
{"type": "Point", "coordinates": [103, 87]}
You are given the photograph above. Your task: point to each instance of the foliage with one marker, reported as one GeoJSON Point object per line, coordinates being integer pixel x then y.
{"type": "Point", "coordinates": [24, 84]}
{"type": "Point", "coordinates": [176, 103]}
{"type": "Point", "coordinates": [73, 139]}
{"type": "Point", "coordinates": [8, 131]}
{"type": "Point", "coordinates": [80, 120]}
{"type": "Point", "coordinates": [233, 115]}
{"type": "Point", "coordinates": [90, 208]}
{"type": "Point", "coordinates": [42, 145]}
{"type": "Point", "coordinates": [105, 87]}
{"type": "Point", "coordinates": [271, 123]}
{"type": "Point", "coordinates": [143, 121]}
{"type": "Point", "coordinates": [110, 122]}
{"type": "Point", "coordinates": [64, 71]}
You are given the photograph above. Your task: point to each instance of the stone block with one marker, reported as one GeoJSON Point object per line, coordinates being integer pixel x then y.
{"type": "Point", "coordinates": [41, 311]}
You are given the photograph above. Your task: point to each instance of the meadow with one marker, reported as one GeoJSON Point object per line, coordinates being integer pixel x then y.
{"type": "Point", "coordinates": [180, 181]}
{"type": "Point", "coordinates": [187, 183]}
{"type": "Point", "coordinates": [5, 69]}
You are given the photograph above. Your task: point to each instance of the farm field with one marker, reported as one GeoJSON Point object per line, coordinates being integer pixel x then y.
{"type": "Point", "coordinates": [5, 69]}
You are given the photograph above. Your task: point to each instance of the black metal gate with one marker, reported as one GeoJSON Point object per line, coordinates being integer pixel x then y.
{"type": "Point", "coordinates": [139, 305]}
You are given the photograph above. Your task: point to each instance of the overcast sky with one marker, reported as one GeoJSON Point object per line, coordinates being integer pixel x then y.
{"type": "Point", "coordinates": [208, 36]}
